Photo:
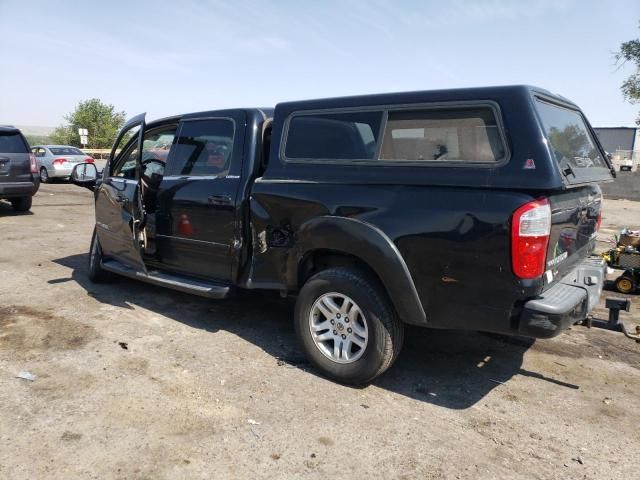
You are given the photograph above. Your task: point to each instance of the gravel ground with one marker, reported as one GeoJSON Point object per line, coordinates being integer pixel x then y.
{"type": "Point", "coordinates": [134, 381]}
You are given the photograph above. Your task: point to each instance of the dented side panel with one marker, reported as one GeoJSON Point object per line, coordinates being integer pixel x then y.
{"type": "Point", "coordinates": [455, 243]}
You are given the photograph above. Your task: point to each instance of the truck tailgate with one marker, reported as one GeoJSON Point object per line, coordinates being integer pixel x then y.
{"type": "Point", "coordinates": [575, 217]}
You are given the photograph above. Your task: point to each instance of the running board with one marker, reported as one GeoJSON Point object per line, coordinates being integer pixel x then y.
{"type": "Point", "coordinates": [175, 282]}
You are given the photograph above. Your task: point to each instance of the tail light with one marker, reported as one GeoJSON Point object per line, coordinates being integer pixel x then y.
{"type": "Point", "coordinates": [530, 230]}
{"type": "Point", "coordinates": [59, 161]}
{"type": "Point", "coordinates": [599, 220]}
{"type": "Point", "coordinates": [32, 163]}
{"type": "Point", "coordinates": [89, 160]}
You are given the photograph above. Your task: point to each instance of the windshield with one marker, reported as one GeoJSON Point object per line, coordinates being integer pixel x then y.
{"type": "Point", "coordinates": [65, 151]}
{"type": "Point", "coordinates": [571, 142]}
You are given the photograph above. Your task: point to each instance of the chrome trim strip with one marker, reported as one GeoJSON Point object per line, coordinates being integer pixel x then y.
{"type": "Point", "coordinates": [193, 240]}
{"type": "Point", "coordinates": [122, 180]}
{"type": "Point", "coordinates": [193, 177]}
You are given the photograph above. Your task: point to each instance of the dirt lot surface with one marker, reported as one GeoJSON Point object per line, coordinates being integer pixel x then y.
{"type": "Point", "coordinates": [134, 381]}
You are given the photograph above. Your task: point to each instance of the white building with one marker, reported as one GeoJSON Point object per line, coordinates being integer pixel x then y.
{"type": "Point", "coordinates": [623, 143]}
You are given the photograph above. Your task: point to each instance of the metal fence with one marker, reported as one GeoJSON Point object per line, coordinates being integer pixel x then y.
{"type": "Point", "coordinates": [98, 153]}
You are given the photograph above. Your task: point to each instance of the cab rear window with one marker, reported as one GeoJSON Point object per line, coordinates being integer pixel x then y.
{"type": "Point", "coordinates": [12, 142]}
{"type": "Point", "coordinates": [571, 143]}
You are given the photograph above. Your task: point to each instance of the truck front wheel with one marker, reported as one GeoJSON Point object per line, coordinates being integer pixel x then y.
{"type": "Point", "coordinates": [96, 273]}
{"type": "Point", "coordinates": [346, 325]}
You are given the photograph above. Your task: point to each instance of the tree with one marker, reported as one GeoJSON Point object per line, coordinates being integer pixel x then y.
{"type": "Point", "coordinates": [62, 136]}
{"type": "Point", "coordinates": [101, 120]}
{"type": "Point", "coordinates": [630, 52]}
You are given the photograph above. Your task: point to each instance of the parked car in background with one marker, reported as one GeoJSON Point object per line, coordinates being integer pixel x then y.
{"type": "Point", "coordinates": [18, 171]}
{"type": "Point", "coordinates": [57, 161]}
{"type": "Point", "coordinates": [626, 164]}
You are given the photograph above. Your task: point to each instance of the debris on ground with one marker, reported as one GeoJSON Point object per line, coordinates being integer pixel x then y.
{"type": "Point", "coordinates": [124, 345]}
{"type": "Point", "coordinates": [292, 361]}
{"type": "Point", "coordinates": [24, 375]}
{"type": "Point", "coordinates": [252, 422]}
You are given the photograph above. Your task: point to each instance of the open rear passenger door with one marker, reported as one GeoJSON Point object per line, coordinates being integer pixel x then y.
{"type": "Point", "coordinates": [120, 215]}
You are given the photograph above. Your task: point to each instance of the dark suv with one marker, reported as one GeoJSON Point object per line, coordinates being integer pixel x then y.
{"type": "Point", "coordinates": [18, 183]}
{"type": "Point", "coordinates": [465, 209]}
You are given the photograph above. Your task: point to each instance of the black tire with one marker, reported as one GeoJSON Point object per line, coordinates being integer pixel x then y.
{"type": "Point", "coordinates": [96, 273]}
{"type": "Point", "coordinates": [21, 204]}
{"type": "Point", "coordinates": [385, 330]}
{"type": "Point", "coordinates": [625, 284]}
{"type": "Point", "coordinates": [44, 175]}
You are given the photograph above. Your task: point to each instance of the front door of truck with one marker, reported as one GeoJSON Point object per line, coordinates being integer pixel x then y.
{"type": "Point", "coordinates": [119, 211]}
{"type": "Point", "coordinates": [197, 228]}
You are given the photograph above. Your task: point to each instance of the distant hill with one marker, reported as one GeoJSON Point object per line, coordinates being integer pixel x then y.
{"type": "Point", "coordinates": [36, 134]}
{"type": "Point", "coordinates": [36, 130]}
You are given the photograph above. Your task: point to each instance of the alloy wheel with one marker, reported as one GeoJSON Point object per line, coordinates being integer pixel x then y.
{"type": "Point", "coordinates": [338, 328]}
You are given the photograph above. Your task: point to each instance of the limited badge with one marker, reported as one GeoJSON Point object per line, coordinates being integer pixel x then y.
{"type": "Point", "coordinates": [529, 164]}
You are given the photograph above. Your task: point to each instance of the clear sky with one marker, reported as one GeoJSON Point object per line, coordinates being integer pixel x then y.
{"type": "Point", "coordinates": [180, 56]}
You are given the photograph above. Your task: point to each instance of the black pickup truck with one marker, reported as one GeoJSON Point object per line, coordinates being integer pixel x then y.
{"type": "Point", "coordinates": [462, 209]}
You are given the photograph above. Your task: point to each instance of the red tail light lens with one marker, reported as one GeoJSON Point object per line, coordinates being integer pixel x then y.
{"type": "Point", "coordinates": [599, 220]}
{"type": "Point", "coordinates": [89, 160]}
{"type": "Point", "coordinates": [59, 161]}
{"type": "Point", "coordinates": [530, 230]}
{"type": "Point", "coordinates": [32, 163]}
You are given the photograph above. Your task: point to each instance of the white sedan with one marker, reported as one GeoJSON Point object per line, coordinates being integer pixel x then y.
{"type": "Point", "coordinates": [57, 161]}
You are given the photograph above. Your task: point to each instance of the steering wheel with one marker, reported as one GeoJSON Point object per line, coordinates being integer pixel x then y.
{"type": "Point", "coordinates": [152, 173]}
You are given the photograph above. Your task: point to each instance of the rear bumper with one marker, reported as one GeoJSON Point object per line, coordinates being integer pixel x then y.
{"type": "Point", "coordinates": [17, 189]}
{"type": "Point", "coordinates": [565, 303]}
{"type": "Point", "coordinates": [61, 171]}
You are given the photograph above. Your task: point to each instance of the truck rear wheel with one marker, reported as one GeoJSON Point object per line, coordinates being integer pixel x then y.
{"type": "Point", "coordinates": [346, 326]}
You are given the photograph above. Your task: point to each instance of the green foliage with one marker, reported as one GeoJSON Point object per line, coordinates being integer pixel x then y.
{"type": "Point", "coordinates": [62, 136]}
{"type": "Point", "coordinates": [630, 52]}
{"type": "Point", "coordinates": [101, 120]}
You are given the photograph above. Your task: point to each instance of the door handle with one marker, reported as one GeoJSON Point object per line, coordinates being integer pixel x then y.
{"type": "Point", "coordinates": [224, 200]}
{"type": "Point", "coordinates": [121, 199]}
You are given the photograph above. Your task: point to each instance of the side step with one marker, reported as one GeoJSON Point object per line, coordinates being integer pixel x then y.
{"type": "Point", "coordinates": [175, 282]}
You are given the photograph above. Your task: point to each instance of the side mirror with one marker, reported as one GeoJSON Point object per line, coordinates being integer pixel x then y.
{"type": "Point", "coordinates": [85, 175]}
